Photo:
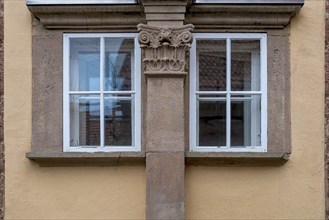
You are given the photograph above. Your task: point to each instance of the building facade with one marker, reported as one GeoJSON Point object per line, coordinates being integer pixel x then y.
{"type": "Point", "coordinates": [164, 109]}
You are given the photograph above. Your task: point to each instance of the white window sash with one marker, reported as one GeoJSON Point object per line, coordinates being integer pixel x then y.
{"type": "Point", "coordinates": [133, 95]}
{"type": "Point", "coordinates": [194, 94]}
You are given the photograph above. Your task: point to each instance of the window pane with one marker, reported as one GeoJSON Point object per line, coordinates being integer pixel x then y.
{"type": "Point", "coordinates": [84, 120]}
{"type": "Point", "coordinates": [118, 121]}
{"type": "Point", "coordinates": [212, 123]}
{"type": "Point", "coordinates": [119, 64]}
{"type": "Point", "coordinates": [245, 65]}
{"type": "Point", "coordinates": [245, 120]}
{"type": "Point", "coordinates": [211, 65]}
{"type": "Point", "coordinates": [84, 64]}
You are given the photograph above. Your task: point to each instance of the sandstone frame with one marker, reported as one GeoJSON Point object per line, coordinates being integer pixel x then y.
{"type": "Point", "coordinates": [50, 23]}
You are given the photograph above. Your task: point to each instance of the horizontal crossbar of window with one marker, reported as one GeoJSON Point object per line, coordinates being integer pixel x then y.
{"type": "Point", "coordinates": [79, 2]}
{"type": "Point", "coordinates": [299, 2]}
{"type": "Point", "coordinates": [98, 92]}
{"type": "Point", "coordinates": [224, 99]}
{"type": "Point", "coordinates": [224, 92]}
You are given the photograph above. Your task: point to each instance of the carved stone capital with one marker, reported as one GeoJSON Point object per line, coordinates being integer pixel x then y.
{"type": "Point", "coordinates": [165, 50]}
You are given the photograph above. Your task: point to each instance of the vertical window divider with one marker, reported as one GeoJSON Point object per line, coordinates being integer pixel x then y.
{"type": "Point", "coordinates": [66, 96]}
{"type": "Point", "coordinates": [228, 95]}
{"type": "Point", "coordinates": [101, 87]}
{"type": "Point", "coordinates": [263, 75]}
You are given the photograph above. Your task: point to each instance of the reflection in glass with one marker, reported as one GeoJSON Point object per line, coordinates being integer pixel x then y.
{"type": "Point", "coordinates": [245, 65]}
{"type": "Point", "coordinates": [245, 121]}
{"type": "Point", "coordinates": [84, 120]}
{"type": "Point", "coordinates": [118, 121]}
{"type": "Point", "coordinates": [84, 64]}
{"type": "Point", "coordinates": [211, 66]}
{"type": "Point", "coordinates": [118, 64]}
{"type": "Point", "coordinates": [212, 123]}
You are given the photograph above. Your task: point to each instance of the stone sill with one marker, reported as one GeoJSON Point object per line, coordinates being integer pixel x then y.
{"type": "Point", "coordinates": [63, 159]}
{"type": "Point", "coordinates": [236, 159]}
{"type": "Point", "coordinates": [69, 159]}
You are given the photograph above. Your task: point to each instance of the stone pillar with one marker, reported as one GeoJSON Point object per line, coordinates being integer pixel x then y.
{"type": "Point", "coordinates": [164, 57]}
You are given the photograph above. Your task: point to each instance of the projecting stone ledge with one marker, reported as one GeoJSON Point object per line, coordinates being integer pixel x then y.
{"type": "Point", "coordinates": [236, 158]}
{"type": "Point", "coordinates": [68, 159]}
{"type": "Point", "coordinates": [216, 17]}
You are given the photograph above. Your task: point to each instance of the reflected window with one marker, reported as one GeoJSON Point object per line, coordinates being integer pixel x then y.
{"type": "Point", "coordinates": [228, 99]}
{"type": "Point", "coordinates": [101, 92]}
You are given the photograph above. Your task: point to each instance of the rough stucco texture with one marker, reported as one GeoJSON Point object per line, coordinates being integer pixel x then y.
{"type": "Point", "coordinates": [292, 191]}
{"type": "Point", "coordinates": [296, 189]}
{"type": "Point", "coordinates": [35, 192]}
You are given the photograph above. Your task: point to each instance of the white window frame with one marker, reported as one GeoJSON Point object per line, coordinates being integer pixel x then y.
{"type": "Point", "coordinates": [136, 104]}
{"type": "Point", "coordinates": [193, 126]}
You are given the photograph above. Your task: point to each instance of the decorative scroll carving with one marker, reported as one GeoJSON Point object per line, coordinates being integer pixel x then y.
{"type": "Point", "coordinates": [165, 50]}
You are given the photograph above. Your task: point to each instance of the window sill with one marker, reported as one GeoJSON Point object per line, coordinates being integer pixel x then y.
{"type": "Point", "coordinates": [62, 159]}
{"type": "Point", "coordinates": [69, 159]}
{"type": "Point", "coordinates": [236, 158]}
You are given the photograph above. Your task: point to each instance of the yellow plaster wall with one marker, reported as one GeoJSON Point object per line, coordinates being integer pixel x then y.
{"type": "Point", "coordinates": [33, 192]}
{"type": "Point", "coordinates": [292, 191]}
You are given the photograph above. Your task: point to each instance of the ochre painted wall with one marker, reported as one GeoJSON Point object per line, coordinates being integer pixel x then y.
{"type": "Point", "coordinates": [292, 191]}
{"type": "Point", "coordinates": [34, 192]}
{"type": "Point", "coordinates": [296, 189]}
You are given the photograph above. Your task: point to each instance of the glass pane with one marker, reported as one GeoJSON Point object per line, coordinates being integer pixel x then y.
{"type": "Point", "coordinates": [84, 64]}
{"type": "Point", "coordinates": [118, 121]}
{"type": "Point", "coordinates": [212, 122]}
{"type": "Point", "coordinates": [245, 65]}
{"type": "Point", "coordinates": [84, 120]}
{"type": "Point", "coordinates": [211, 65]}
{"type": "Point", "coordinates": [245, 120]}
{"type": "Point", "coordinates": [119, 64]}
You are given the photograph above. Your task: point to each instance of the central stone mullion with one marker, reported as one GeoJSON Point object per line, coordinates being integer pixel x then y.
{"type": "Point", "coordinates": [164, 55]}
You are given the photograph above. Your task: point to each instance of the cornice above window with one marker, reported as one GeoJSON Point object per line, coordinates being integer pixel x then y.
{"type": "Point", "coordinates": [215, 17]}
{"type": "Point", "coordinates": [111, 17]}
{"type": "Point", "coordinates": [205, 15]}
{"type": "Point", "coordinates": [263, 2]}
{"type": "Point", "coordinates": [78, 2]}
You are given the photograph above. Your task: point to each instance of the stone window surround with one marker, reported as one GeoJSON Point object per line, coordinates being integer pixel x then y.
{"type": "Point", "coordinates": [47, 79]}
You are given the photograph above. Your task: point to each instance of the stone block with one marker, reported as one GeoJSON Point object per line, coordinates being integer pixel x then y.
{"type": "Point", "coordinates": [165, 114]}
{"type": "Point", "coordinates": [165, 196]}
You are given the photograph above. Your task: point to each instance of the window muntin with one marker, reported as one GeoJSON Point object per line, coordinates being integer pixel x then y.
{"type": "Point", "coordinates": [228, 93]}
{"type": "Point", "coordinates": [101, 93]}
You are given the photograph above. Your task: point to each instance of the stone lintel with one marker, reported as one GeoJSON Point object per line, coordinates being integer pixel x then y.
{"type": "Point", "coordinates": [208, 18]}
{"type": "Point", "coordinates": [205, 17]}
{"type": "Point", "coordinates": [110, 17]}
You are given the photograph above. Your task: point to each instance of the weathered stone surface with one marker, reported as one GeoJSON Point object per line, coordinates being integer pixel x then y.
{"type": "Point", "coordinates": [110, 17]}
{"type": "Point", "coordinates": [165, 115]}
{"type": "Point", "coordinates": [235, 159]}
{"type": "Point", "coordinates": [217, 17]}
{"type": "Point", "coordinates": [69, 159]}
{"type": "Point", "coordinates": [279, 132]}
{"type": "Point", "coordinates": [2, 150]}
{"type": "Point", "coordinates": [47, 90]}
{"type": "Point", "coordinates": [165, 185]}
{"type": "Point", "coordinates": [165, 50]}
{"type": "Point", "coordinates": [326, 111]}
